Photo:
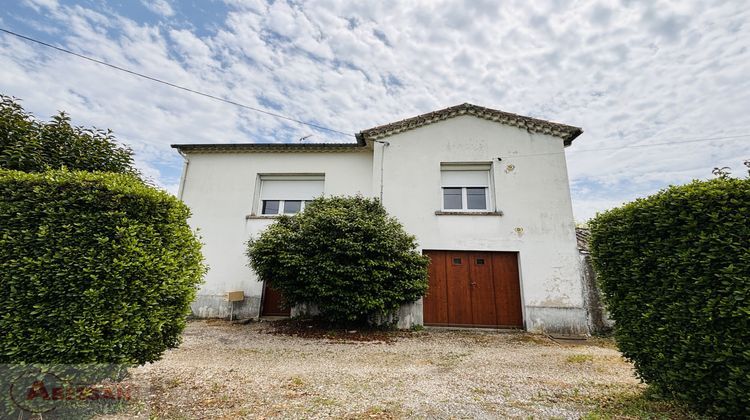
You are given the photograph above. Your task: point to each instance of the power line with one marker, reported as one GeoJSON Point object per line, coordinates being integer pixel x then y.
{"type": "Point", "coordinates": [634, 146]}
{"type": "Point", "coordinates": [154, 79]}
{"type": "Point", "coordinates": [284, 117]}
{"type": "Point", "coordinates": [670, 143]}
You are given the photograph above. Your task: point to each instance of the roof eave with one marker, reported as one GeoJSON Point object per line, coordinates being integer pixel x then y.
{"type": "Point", "coordinates": [269, 147]}
{"type": "Point", "coordinates": [574, 135]}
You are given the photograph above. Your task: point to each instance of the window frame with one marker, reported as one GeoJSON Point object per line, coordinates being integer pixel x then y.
{"type": "Point", "coordinates": [282, 207]}
{"type": "Point", "coordinates": [486, 167]}
{"type": "Point", "coordinates": [465, 200]}
{"type": "Point", "coordinates": [258, 201]}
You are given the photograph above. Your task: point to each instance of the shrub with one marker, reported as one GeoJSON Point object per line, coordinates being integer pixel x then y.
{"type": "Point", "coordinates": [94, 268]}
{"type": "Point", "coordinates": [29, 145]}
{"type": "Point", "coordinates": [344, 254]}
{"type": "Point", "coordinates": [675, 272]}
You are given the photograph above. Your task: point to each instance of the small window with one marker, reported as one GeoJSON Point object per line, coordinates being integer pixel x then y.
{"type": "Point", "coordinates": [457, 261]}
{"type": "Point", "coordinates": [466, 187]}
{"type": "Point", "coordinates": [288, 194]}
{"type": "Point", "coordinates": [480, 261]}
{"type": "Point", "coordinates": [476, 198]}
{"type": "Point", "coordinates": [271, 206]}
{"type": "Point", "coordinates": [452, 198]}
{"type": "Point", "coordinates": [292, 206]}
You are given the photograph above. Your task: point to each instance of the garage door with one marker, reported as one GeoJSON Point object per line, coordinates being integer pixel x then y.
{"type": "Point", "coordinates": [473, 289]}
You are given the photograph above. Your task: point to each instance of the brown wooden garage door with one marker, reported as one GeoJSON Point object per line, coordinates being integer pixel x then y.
{"type": "Point", "coordinates": [468, 288]}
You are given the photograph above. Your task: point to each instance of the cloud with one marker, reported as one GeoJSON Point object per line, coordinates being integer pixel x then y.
{"type": "Point", "coordinates": [38, 5]}
{"type": "Point", "coordinates": [600, 15]}
{"type": "Point", "coordinates": [629, 73]}
{"type": "Point", "coordinates": [160, 7]}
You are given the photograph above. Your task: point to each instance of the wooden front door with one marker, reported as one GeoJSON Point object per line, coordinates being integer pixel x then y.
{"type": "Point", "coordinates": [470, 288]}
{"type": "Point", "coordinates": [272, 302]}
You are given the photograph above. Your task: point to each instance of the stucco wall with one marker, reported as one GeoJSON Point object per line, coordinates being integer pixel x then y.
{"type": "Point", "coordinates": [531, 190]}
{"type": "Point", "coordinates": [220, 191]}
{"type": "Point", "coordinates": [598, 316]}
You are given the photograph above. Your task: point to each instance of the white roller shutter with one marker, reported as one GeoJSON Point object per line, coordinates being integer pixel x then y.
{"type": "Point", "coordinates": [291, 189]}
{"type": "Point", "coordinates": [462, 178]}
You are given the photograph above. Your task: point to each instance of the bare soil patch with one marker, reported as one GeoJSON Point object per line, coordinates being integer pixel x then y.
{"type": "Point", "coordinates": [317, 329]}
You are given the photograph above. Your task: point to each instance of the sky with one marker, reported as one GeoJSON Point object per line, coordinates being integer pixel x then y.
{"type": "Point", "coordinates": [630, 73]}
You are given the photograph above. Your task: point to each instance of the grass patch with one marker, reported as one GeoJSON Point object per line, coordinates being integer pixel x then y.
{"type": "Point", "coordinates": [448, 360]}
{"type": "Point", "coordinates": [637, 404]}
{"type": "Point", "coordinates": [295, 383]}
{"type": "Point", "coordinates": [481, 391]}
{"type": "Point", "coordinates": [579, 358]}
{"type": "Point", "coordinates": [530, 338]}
{"type": "Point", "coordinates": [603, 342]}
{"type": "Point", "coordinates": [378, 412]}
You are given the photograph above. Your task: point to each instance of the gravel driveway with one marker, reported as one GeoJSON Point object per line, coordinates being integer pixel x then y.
{"type": "Point", "coordinates": [227, 370]}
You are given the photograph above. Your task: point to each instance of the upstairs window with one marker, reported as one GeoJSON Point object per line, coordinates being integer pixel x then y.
{"type": "Point", "coordinates": [466, 187]}
{"type": "Point", "coordinates": [282, 194]}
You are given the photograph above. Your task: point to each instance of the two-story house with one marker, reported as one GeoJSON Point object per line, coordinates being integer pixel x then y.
{"type": "Point", "coordinates": [485, 192]}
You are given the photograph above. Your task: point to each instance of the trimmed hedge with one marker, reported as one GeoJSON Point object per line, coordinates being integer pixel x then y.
{"type": "Point", "coordinates": [344, 254]}
{"type": "Point", "coordinates": [675, 272]}
{"type": "Point", "coordinates": [94, 268]}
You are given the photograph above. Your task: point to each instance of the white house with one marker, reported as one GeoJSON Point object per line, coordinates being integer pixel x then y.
{"type": "Point", "coordinates": [485, 192]}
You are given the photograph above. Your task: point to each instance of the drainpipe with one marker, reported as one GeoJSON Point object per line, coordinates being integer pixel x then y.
{"type": "Point", "coordinates": [183, 176]}
{"type": "Point", "coordinates": [382, 159]}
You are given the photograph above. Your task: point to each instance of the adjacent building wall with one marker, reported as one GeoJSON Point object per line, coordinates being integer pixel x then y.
{"type": "Point", "coordinates": [598, 316]}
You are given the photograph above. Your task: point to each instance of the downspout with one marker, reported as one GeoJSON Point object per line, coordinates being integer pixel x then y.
{"type": "Point", "coordinates": [363, 142]}
{"type": "Point", "coordinates": [183, 176]}
{"type": "Point", "coordinates": [382, 159]}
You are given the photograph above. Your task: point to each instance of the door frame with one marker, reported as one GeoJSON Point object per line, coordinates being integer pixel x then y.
{"type": "Point", "coordinates": [520, 285]}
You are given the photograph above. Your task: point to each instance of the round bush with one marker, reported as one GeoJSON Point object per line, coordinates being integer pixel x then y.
{"type": "Point", "coordinates": [675, 272]}
{"type": "Point", "coordinates": [344, 254]}
{"type": "Point", "coordinates": [94, 268]}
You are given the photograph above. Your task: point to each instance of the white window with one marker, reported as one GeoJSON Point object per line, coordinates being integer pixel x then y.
{"type": "Point", "coordinates": [466, 187]}
{"type": "Point", "coordinates": [287, 194]}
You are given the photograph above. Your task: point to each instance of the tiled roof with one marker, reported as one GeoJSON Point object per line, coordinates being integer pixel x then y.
{"type": "Point", "coordinates": [566, 132]}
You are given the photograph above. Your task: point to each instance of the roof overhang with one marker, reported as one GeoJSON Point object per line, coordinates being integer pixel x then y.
{"type": "Point", "coordinates": [269, 147]}
{"type": "Point", "coordinates": [567, 133]}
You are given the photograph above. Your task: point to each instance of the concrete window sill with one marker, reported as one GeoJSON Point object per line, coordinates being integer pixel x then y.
{"type": "Point", "coordinates": [468, 213]}
{"type": "Point", "coordinates": [262, 216]}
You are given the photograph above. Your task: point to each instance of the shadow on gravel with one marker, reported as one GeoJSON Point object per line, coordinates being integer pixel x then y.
{"type": "Point", "coordinates": [319, 329]}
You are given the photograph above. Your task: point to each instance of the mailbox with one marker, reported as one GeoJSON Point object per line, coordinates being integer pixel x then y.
{"type": "Point", "coordinates": [236, 296]}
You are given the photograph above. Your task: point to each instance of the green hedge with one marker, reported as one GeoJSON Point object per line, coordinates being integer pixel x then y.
{"type": "Point", "coordinates": [94, 268]}
{"type": "Point", "coordinates": [675, 272]}
{"type": "Point", "coordinates": [30, 145]}
{"type": "Point", "coordinates": [344, 254]}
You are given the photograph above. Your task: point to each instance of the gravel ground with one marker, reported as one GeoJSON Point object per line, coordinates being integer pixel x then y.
{"type": "Point", "coordinates": [227, 370]}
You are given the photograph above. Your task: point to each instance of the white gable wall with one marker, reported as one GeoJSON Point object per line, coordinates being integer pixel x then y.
{"type": "Point", "coordinates": [532, 192]}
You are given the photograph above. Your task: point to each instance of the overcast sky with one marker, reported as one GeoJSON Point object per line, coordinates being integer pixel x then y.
{"type": "Point", "coordinates": [628, 72]}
